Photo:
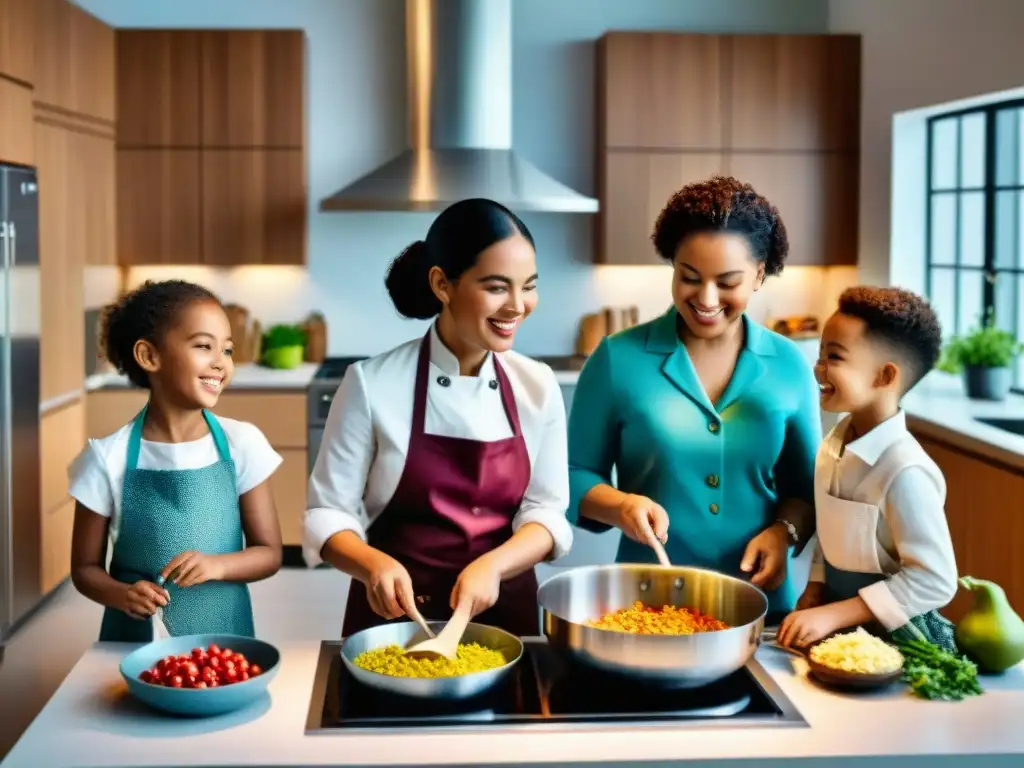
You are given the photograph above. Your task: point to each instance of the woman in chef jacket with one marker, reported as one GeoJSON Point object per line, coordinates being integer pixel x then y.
{"type": "Point", "coordinates": [442, 476]}
{"type": "Point", "coordinates": [710, 420]}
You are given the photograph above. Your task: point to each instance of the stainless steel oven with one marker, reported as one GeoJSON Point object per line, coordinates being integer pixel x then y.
{"type": "Point", "coordinates": [321, 394]}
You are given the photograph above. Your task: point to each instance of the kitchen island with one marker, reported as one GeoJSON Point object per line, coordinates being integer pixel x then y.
{"type": "Point", "coordinates": [91, 721]}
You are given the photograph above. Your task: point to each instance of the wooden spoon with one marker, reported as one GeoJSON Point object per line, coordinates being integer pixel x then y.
{"type": "Point", "coordinates": [654, 543]}
{"type": "Point", "coordinates": [446, 644]}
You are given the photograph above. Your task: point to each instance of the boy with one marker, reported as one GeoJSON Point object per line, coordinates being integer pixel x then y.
{"type": "Point", "coordinates": [884, 553]}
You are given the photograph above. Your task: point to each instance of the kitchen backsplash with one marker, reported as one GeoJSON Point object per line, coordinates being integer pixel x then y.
{"type": "Point", "coordinates": [361, 319]}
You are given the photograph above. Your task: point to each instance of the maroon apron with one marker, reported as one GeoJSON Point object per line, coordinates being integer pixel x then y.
{"type": "Point", "coordinates": [454, 502]}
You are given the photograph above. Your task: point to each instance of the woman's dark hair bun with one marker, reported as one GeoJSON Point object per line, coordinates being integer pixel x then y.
{"type": "Point", "coordinates": [408, 283]}
{"type": "Point", "coordinates": [456, 238]}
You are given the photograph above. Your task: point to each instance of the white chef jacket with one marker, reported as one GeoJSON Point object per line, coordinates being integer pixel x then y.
{"type": "Point", "coordinates": [899, 530]}
{"type": "Point", "coordinates": [366, 438]}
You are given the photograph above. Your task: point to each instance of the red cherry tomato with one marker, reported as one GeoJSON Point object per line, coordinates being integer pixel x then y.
{"type": "Point", "coordinates": [214, 649]}
{"type": "Point", "coordinates": [215, 662]}
{"type": "Point", "coordinates": [200, 684]}
{"type": "Point", "coordinates": [146, 676]}
{"type": "Point", "coordinates": [176, 681]}
{"type": "Point", "coordinates": [255, 669]}
{"type": "Point", "coordinates": [243, 666]}
{"type": "Point", "coordinates": [231, 675]}
{"type": "Point", "coordinates": [243, 676]}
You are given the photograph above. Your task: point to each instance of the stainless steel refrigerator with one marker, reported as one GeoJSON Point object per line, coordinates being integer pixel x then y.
{"type": "Point", "coordinates": [19, 396]}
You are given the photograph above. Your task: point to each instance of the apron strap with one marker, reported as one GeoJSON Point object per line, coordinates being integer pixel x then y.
{"type": "Point", "coordinates": [135, 439]}
{"type": "Point", "coordinates": [219, 438]}
{"type": "Point", "coordinates": [904, 453]}
{"type": "Point", "coordinates": [419, 401]}
{"type": "Point", "coordinates": [419, 398]}
{"type": "Point", "coordinates": [508, 398]}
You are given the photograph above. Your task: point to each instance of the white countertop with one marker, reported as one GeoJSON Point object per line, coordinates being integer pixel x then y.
{"type": "Point", "coordinates": [247, 376]}
{"type": "Point", "coordinates": [938, 407]}
{"type": "Point", "coordinates": [90, 721]}
{"type": "Point", "coordinates": [567, 378]}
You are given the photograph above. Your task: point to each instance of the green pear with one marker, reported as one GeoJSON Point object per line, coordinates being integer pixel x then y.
{"type": "Point", "coordinates": [991, 632]}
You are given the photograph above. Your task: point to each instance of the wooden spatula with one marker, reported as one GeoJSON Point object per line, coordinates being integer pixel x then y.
{"type": "Point", "coordinates": [446, 644]}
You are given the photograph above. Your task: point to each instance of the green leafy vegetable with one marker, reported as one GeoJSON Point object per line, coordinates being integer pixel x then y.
{"type": "Point", "coordinates": [935, 673]}
{"type": "Point", "coordinates": [284, 336]}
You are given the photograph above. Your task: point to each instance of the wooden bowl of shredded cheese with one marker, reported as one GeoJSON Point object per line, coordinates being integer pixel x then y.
{"type": "Point", "coordinates": [855, 659]}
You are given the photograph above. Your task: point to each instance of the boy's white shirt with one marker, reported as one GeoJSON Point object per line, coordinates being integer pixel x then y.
{"type": "Point", "coordinates": [881, 509]}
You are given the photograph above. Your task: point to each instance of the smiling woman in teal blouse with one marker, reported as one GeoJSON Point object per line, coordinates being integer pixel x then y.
{"type": "Point", "coordinates": [710, 420]}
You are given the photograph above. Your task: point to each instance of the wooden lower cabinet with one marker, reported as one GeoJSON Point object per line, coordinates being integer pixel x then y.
{"type": "Point", "coordinates": [281, 416]}
{"type": "Point", "coordinates": [61, 438]}
{"type": "Point", "coordinates": [289, 487]}
{"type": "Point", "coordinates": [57, 525]}
{"type": "Point", "coordinates": [983, 511]}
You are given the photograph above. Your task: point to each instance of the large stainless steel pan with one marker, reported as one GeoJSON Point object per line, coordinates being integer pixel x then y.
{"type": "Point", "coordinates": [461, 687]}
{"type": "Point", "coordinates": [579, 595]}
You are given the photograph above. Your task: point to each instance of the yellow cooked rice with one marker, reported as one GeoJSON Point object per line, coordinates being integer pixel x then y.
{"type": "Point", "coordinates": [393, 661]}
{"type": "Point", "coordinates": [859, 652]}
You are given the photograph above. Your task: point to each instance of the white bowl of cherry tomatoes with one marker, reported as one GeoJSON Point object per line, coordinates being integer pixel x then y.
{"type": "Point", "coordinates": [201, 675]}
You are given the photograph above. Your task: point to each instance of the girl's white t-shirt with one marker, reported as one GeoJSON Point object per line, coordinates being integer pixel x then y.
{"type": "Point", "coordinates": [97, 474]}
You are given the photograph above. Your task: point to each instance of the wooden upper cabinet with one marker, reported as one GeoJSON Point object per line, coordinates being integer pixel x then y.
{"type": "Point", "coordinates": [17, 39]}
{"type": "Point", "coordinates": [254, 207]}
{"type": "Point", "coordinates": [53, 53]}
{"type": "Point", "coordinates": [62, 185]}
{"type": "Point", "coordinates": [661, 90]}
{"type": "Point", "coordinates": [252, 89]}
{"type": "Point", "coordinates": [158, 206]}
{"type": "Point", "coordinates": [635, 188]}
{"type": "Point", "coordinates": [93, 90]}
{"type": "Point", "coordinates": [74, 55]}
{"type": "Point", "coordinates": [16, 140]}
{"type": "Point", "coordinates": [794, 92]}
{"type": "Point", "coordinates": [211, 136]}
{"type": "Point", "coordinates": [100, 200]}
{"type": "Point", "coordinates": [158, 92]}
{"type": "Point", "coordinates": [817, 197]}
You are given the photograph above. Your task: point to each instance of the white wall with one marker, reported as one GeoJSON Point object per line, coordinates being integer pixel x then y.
{"type": "Point", "coordinates": [356, 118]}
{"type": "Point", "coordinates": [916, 54]}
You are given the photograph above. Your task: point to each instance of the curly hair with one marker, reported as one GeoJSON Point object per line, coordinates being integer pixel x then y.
{"type": "Point", "coordinates": [723, 204]}
{"type": "Point", "coordinates": [900, 319]}
{"type": "Point", "coordinates": [145, 314]}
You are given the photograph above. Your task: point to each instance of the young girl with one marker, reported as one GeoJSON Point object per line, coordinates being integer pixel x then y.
{"type": "Point", "coordinates": [181, 495]}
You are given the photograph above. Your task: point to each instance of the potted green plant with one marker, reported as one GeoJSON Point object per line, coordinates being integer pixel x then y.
{"type": "Point", "coordinates": [283, 346]}
{"type": "Point", "coordinates": [985, 357]}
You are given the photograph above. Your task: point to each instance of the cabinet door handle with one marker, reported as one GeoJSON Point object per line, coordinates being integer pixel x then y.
{"type": "Point", "coordinates": [4, 249]}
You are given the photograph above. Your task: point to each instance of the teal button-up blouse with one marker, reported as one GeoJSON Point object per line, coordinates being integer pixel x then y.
{"type": "Point", "coordinates": [719, 471]}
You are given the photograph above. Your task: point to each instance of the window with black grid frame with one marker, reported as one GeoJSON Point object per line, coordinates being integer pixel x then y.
{"type": "Point", "coordinates": [975, 219]}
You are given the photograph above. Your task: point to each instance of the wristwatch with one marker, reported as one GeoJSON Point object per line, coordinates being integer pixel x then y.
{"type": "Point", "coordinates": [794, 537]}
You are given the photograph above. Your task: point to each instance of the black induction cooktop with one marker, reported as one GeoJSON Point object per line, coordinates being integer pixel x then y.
{"type": "Point", "coordinates": [545, 691]}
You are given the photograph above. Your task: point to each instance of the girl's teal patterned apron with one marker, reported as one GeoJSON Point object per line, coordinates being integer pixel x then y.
{"type": "Point", "coordinates": [165, 512]}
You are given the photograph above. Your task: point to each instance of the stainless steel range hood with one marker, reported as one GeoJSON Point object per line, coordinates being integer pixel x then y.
{"type": "Point", "coordinates": [459, 59]}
